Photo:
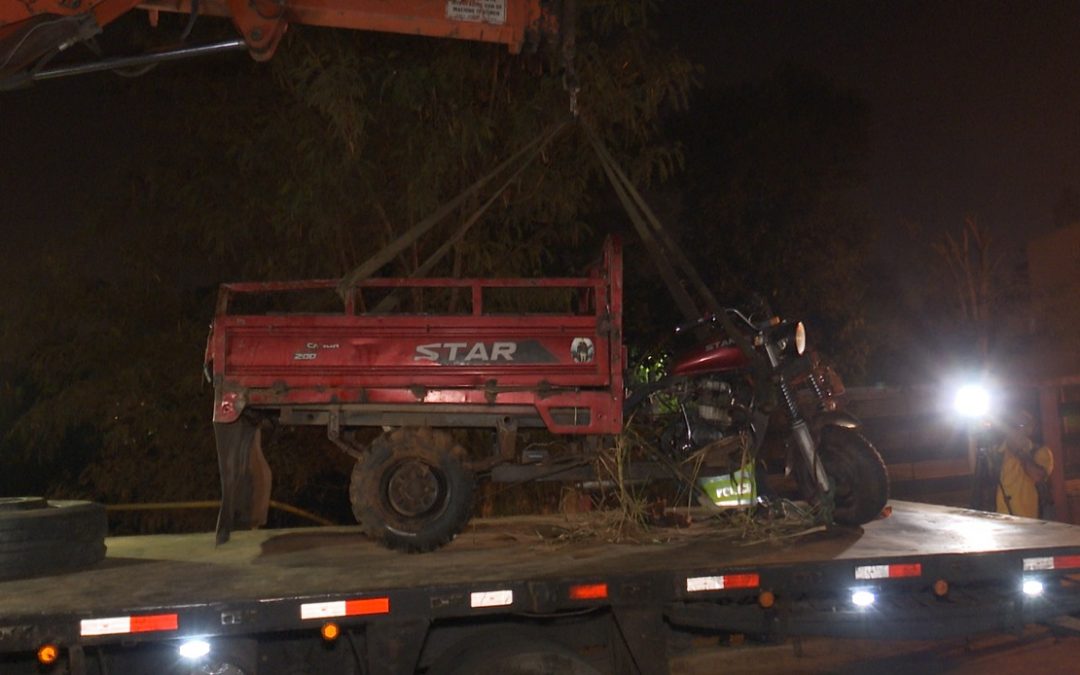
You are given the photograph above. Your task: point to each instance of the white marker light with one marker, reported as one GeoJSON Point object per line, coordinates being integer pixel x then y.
{"type": "Point", "coordinates": [1033, 588]}
{"type": "Point", "coordinates": [862, 598]}
{"type": "Point", "coordinates": [972, 401]}
{"type": "Point", "coordinates": [192, 650]}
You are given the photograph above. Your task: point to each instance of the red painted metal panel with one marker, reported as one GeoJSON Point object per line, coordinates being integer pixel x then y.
{"type": "Point", "coordinates": [474, 357]}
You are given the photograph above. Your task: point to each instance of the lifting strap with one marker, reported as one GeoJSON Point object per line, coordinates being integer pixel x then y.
{"type": "Point", "coordinates": [471, 220]}
{"type": "Point", "coordinates": [391, 300]}
{"type": "Point", "coordinates": [664, 249]}
{"type": "Point", "coordinates": [529, 151]}
{"type": "Point", "coordinates": [649, 229]}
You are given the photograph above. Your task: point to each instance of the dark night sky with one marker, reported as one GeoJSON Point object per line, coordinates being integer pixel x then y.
{"type": "Point", "coordinates": [975, 105]}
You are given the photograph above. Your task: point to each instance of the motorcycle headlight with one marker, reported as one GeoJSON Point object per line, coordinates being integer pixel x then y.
{"type": "Point", "coordinates": [800, 338]}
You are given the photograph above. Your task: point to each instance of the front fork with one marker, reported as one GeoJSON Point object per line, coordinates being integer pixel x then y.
{"type": "Point", "coordinates": [804, 440]}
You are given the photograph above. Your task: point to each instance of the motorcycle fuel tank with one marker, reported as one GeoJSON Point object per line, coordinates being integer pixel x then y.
{"type": "Point", "coordinates": [712, 358]}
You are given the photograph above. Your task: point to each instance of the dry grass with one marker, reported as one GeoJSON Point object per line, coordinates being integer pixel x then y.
{"type": "Point", "coordinates": [627, 512]}
{"type": "Point", "coordinates": [779, 522]}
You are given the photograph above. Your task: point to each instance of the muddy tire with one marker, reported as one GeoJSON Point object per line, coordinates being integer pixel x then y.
{"type": "Point", "coordinates": [411, 491]}
{"type": "Point", "coordinates": [40, 537]}
{"type": "Point", "coordinates": [859, 480]}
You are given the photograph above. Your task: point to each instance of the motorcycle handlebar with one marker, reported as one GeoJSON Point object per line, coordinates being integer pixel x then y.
{"type": "Point", "coordinates": [693, 324]}
{"type": "Point", "coordinates": [711, 318]}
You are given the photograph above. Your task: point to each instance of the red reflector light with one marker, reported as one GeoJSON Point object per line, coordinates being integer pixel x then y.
{"type": "Point", "coordinates": [367, 606]}
{"type": "Point", "coordinates": [741, 581]}
{"type": "Point", "coordinates": [910, 570]}
{"type": "Point", "coordinates": [1063, 562]}
{"type": "Point", "coordinates": [146, 624]}
{"type": "Point", "coordinates": [588, 592]}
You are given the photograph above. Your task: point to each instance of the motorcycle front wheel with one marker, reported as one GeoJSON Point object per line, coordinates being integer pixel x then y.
{"type": "Point", "coordinates": [859, 480]}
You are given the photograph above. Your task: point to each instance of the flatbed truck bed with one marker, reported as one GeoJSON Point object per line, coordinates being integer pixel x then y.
{"type": "Point", "coordinates": [933, 571]}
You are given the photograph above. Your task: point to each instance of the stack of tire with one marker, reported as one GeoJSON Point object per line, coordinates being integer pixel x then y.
{"type": "Point", "coordinates": [40, 536]}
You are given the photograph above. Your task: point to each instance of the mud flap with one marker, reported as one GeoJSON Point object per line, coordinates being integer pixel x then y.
{"type": "Point", "coordinates": [644, 636]}
{"type": "Point", "coordinates": [245, 477]}
{"type": "Point", "coordinates": [393, 647]}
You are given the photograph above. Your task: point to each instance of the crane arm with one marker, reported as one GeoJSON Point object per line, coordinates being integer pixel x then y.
{"type": "Point", "coordinates": [30, 31]}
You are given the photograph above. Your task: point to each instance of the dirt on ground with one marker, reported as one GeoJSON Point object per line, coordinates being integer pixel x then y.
{"type": "Point", "coordinates": [1038, 649]}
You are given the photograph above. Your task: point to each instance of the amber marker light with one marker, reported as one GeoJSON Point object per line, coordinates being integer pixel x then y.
{"type": "Point", "coordinates": [48, 654]}
{"type": "Point", "coordinates": [766, 599]}
{"type": "Point", "coordinates": [941, 588]}
{"type": "Point", "coordinates": [330, 631]}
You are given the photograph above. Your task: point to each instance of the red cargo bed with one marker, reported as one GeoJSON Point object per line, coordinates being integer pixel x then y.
{"type": "Point", "coordinates": [463, 352]}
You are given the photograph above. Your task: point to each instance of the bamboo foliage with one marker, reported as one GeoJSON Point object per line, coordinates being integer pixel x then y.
{"type": "Point", "coordinates": [299, 168]}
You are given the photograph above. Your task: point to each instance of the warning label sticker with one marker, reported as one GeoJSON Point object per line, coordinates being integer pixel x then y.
{"type": "Point", "coordinates": [486, 11]}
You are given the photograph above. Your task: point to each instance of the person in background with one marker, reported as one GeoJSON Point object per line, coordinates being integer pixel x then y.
{"type": "Point", "coordinates": [1025, 469]}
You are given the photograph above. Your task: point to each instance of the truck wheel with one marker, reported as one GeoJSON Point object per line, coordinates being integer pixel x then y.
{"type": "Point", "coordinates": [511, 653]}
{"type": "Point", "coordinates": [859, 479]}
{"type": "Point", "coordinates": [39, 537]}
{"type": "Point", "coordinates": [411, 491]}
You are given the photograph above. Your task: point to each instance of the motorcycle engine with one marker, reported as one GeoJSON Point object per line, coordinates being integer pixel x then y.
{"type": "Point", "coordinates": [706, 405]}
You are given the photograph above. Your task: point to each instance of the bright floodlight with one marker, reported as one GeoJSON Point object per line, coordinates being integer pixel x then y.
{"type": "Point", "coordinates": [1033, 587]}
{"type": "Point", "coordinates": [194, 649]}
{"type": "Point", "coordinates": [972, 401]}
{"type": "Point", "coordinates": [862, 598]}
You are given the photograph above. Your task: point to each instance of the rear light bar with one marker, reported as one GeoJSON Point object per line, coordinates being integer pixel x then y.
{"type": "Point", "coordinates": [1058, 562]}
{"type": "Point", "coordinates": [358, 607]}
{"type": "Point", "coordinates": [907, 570]}
{"type": "Point", "coordinates": [724, 582]}
{"type": "Point", "coordinates": [122, 625]}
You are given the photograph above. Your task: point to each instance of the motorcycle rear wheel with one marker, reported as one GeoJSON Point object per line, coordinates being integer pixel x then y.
{"type": "Point", "coordinates": [857, 473]}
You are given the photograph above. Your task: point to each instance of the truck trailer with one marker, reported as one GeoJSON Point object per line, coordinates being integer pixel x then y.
{"type": "Point", "coordinates": [543, 594]}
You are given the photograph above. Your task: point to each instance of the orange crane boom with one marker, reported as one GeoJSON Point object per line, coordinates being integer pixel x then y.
{"type": "Point", "coordinates": [33, 31]}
